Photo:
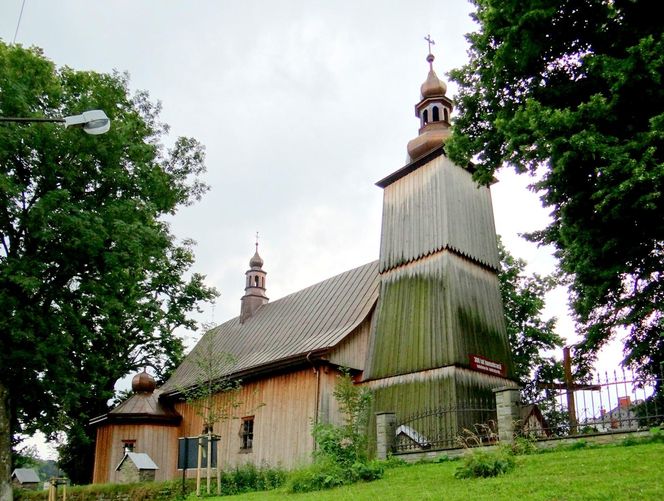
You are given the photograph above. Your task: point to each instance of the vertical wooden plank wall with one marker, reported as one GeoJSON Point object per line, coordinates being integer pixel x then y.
{"type": "Point", "coordinates": [156, 440]}
{"type": "Point", "coordinates": [283, 407]}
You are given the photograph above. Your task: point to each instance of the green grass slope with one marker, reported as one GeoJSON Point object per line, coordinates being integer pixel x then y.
{"type": "Point", "coordinates": [602, 473]}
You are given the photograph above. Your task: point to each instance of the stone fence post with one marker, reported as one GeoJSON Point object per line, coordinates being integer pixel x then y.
{"type": "Point", "coordinates": [386, 425]}
{"type": "Point", "coordinates": [508, 408]}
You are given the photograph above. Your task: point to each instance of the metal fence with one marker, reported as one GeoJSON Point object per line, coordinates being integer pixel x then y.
{"type": "Point", "coordinates": [609, 402]}
{"type": "Point", "coordinates": [468, 424]}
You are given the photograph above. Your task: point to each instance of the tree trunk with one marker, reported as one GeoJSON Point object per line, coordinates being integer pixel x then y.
{"type": "Point", "coordinates": [6, 493]}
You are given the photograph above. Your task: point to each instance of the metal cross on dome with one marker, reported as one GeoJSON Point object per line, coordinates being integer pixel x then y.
{"type": "Point", "coordinates": [430, 42]}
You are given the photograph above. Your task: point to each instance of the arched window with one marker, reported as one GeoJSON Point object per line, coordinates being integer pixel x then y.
{"type": "Point", "coordinates": [425, 117]}
{"type": "Point", "coordinates": [446, 114]}
{"type": "Point", "coordinates": [436, 114]}
{"type": "Point", "coordinates": [256, 280]}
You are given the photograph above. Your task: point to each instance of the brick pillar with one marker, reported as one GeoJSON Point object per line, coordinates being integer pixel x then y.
{"type": "Point", "coordinates": [508, 408]}
{"type": "Point", "coordinates": [386, 425]}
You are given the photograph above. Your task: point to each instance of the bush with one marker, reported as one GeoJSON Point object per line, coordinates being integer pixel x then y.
{"type": "Point", "coordinates": [340, 443]}
{"type": "Point", "coordinates": [393, 462]}
{"type": "Point", "coordinates": [365, 471]}
{"type": "Point", "coordinates": [323, 474]}
{"type": "Point", "coordinates": [483, 465]}
{"type": "Point", "coordinates": [326, 474]}
{"type": "Point", "coordinates": [521, 446]}
{"type": "Point", "coordinates": [249, 478]}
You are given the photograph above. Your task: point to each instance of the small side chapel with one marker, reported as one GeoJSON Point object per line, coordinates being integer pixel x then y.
{"type": "Point", "coordinates": [423, 326]}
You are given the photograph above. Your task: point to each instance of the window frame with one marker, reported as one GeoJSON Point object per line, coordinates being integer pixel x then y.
{"type": "Point", "coordinates": [247, 434]}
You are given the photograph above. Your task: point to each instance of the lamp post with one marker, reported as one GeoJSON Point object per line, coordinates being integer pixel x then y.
{"type": "Point", "coordinates": [93, 122]}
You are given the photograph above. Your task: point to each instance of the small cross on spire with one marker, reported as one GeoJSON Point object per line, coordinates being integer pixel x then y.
{"type": "Point", "coordinates": [256, 241]}
{"type": "Point", "coordinates": [430, 42]}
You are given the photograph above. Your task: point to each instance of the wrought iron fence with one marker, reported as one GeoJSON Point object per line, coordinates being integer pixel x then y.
{"type": "Point", "coordinates": [469, 424]}
{"type": "Point", "coordinates": [610, 402]}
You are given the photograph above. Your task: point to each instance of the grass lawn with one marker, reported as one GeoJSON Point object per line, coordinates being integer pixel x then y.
{"type": "Point", "coordinates": [606, 473]}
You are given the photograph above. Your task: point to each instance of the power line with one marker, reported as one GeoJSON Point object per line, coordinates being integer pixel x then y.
{"type": "Point", "coordinates": [19, 22]}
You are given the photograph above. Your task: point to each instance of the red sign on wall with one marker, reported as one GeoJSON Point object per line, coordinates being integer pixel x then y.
{"type": "Point", "coordinates": [479, 363]}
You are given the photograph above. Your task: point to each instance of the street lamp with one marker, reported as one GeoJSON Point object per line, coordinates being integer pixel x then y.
{"type": "Point", "coordinates": [93, 122]}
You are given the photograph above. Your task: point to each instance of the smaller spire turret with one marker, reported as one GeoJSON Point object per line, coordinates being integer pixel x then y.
{"type": "Point", "coordinates": [254, 291]}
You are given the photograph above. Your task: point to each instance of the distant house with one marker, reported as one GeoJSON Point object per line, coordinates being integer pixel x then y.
{"type": "Point", "coordinates": [621, 417]}
{"type": "Point", "coordinates": [26, 478]}
{"type": "Point", "coordinates": [136, 467]}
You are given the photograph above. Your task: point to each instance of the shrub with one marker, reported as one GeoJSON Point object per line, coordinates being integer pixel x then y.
{"type": "Point", "coordinates": [521, 446]}
{"type": "Point", "coordinates": [341, 456]}
{"type": "Point", "coordinates": [483, 465]}
{"type": "Point", "coordinates": [365, 471]}
{"type": "Point", "coordinates": [323, 474]}
{"type": "Point", "coordinates": [326, 474]}
{"type": "Point", "coordinates": [249, 478]}
{"type": "Point", "coordinates": [393, 462]}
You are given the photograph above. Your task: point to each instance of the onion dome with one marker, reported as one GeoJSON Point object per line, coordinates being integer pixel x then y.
{"type": "Point", "coordinates": [256, 261]}
{"type": "Point", "coordinates": [432, 86]}
{"type": "Point", "coordinates": [143, 383]}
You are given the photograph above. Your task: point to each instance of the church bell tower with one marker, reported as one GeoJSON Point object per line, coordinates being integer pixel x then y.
{"type": "Point", "coordinates": [438, 333]}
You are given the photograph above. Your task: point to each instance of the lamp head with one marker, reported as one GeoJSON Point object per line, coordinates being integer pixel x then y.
{"type": "Point", "coordinates": [94, 122]}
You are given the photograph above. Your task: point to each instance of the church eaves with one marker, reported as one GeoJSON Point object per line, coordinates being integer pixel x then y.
{"type": "Point", "coordinates": [287, 331]}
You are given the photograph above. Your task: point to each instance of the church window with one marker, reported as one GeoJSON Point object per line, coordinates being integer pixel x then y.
{"type": "Point", "coordinates": [446, 114]}
{"type": "Point", "coordinates": [128, 445]}
{"type": "Point", "coordinates": [425, 117]}
{"type": "Point", "coordinates": [436, 114]}
{"type": "Point", "coordinates": [256, 280]}
{"type": "Point", "coordinates": [247, 433]}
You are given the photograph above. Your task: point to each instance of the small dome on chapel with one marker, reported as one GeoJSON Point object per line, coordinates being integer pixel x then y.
{"type": "Point", "coordinates": [143, 383]}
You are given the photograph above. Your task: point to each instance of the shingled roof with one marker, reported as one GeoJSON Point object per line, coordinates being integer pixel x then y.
{"type": "Point", "coordinates": [286, 331]}
{"type": "Point", "coordinates": [142, 406]}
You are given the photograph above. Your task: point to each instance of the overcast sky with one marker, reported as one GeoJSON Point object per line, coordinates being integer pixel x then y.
{"type": "Point", "coordinates": [302, 106]}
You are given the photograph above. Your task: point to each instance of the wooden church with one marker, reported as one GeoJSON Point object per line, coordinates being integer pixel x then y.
{"type": "Point", "coordinates": [421, 327]}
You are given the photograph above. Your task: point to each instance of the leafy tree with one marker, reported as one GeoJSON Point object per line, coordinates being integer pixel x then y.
{"type": "Point", "coordinates": [573, 91]}
{"type": "Point", "coordinates": [346, 444]}
{"type": "Point", "coordinates": [529, 334]}
{"type": "Point", "coordinates": [92, 283]}
{"type": "Point", "coordinates": [214, 396]}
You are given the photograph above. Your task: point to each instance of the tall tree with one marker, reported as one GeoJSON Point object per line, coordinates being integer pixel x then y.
{"type": "Point", "coordinates": [530, 335]}
{"type": "Point", "coordinates": [92, 282]}
{"type": "Point", "coordinates": [573, 90]}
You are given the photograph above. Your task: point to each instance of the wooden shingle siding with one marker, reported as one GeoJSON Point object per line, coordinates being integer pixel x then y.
{"type": "Point", "coordinates": [445, 387]}
{"type": "Point", "coordinates": [435, 312]}
{"type": "Point", "coordinates": [436, 207]}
